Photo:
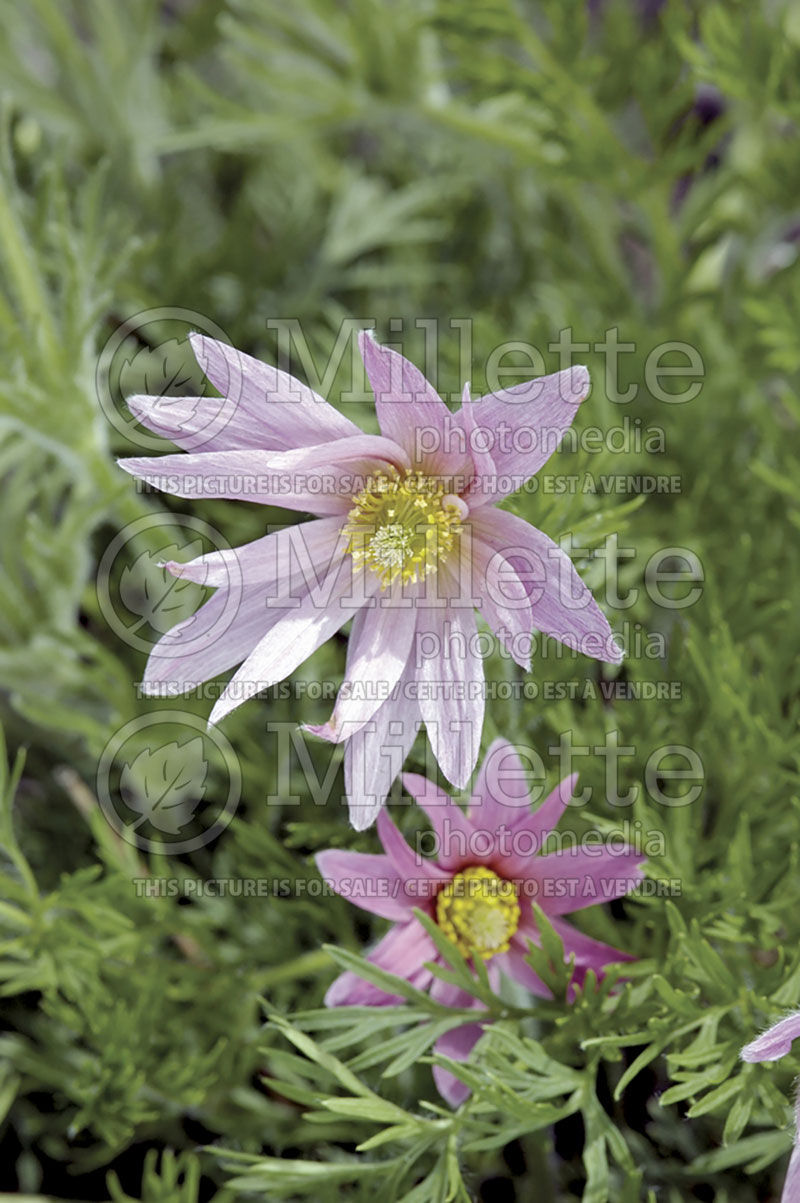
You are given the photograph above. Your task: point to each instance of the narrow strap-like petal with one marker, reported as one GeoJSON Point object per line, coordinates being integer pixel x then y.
{"type": "Point", "coordinates": [269, 407]}
{"type": "Point", "coordinates": [561, 605]}
{"type": "Point", "coordinates": [775, 1042]}
{"type": "Point", "coordinates": [514, 965]}
{"type": "Point", "coordinates": [521, 427]}
{"type": "Point", "coordinates": [574, 878]}
{"type": "Point", "coordinates": [412, 413]}
{"type": "Point", "coordinates": [374, 755]}
{"type": "Point", "coordinates": [457, 1043]}
{"type": "Point", "coordinates": [502, 600]}
{"type": "Point", "coordinates": [202, 423]}
{"type": "Point", "coordinates": [501, 793]}
{"type": "Point", "coordinates": [302, 551]}
{"type": "Point", "coordinates": [451, 695]}
{"type": "Point", "coordinates": [403, 951]}
{"type": "Point", "coordinates": [412, 867]}
{"type": "Point", "coordinates": [219, 635]}
{"type": "Point", "coordinates": [377, 652]}
{"type": "Point", "coordinates": [367, 880]}
{"type": "Point", "coordinates": [301, 631]}
{"type": "Point", "coordinates": [453, 830]}
{"type": "Point", "coordinates": [321, 479]}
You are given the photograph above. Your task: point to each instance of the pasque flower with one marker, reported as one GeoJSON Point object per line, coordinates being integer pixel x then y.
{"type": "Point", "coordinates": [479, 891]}
{"type": "Point", "coordinates": [406, 542]}
{"type": "Point", "coordinates": [769, 1046]}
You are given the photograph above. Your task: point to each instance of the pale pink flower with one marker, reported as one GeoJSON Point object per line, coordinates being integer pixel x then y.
{"type": "Point", "coordinates": [769, 1046]}
{"type": "Point", "coordinates": [407, 541]}
{"type": "Point", "coordinates": [479, 890]}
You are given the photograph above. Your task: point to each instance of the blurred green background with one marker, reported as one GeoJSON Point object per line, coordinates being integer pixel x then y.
{"type": "Point", "coordinates": [531, 167]}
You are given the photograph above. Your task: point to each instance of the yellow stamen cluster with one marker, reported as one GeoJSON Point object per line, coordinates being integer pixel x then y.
{"type": "Point", "coordinates": [478, 911]}
{"type": "Point", "coordinates": [402, 527]}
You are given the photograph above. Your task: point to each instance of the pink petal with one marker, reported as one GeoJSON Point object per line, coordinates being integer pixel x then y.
{"type": "Point", "coordinates": [271, 409]}
{"type": "Point", "coordinates": [453, 829]}
{"type": "Point", "coordinates": [220, 634]}
{"type": "Point", "coordinates": [450, 1088]}
{"type": "Point", "coordinates": [585, 878]}
{"type": "Point", "coordinates": [403, 951]}
{"type": "Point", "coordinates": [457, 1043]}
{"type": "Point", "coordinates": [423, 875]}
{"type": "Point", "coordinates": [503, 600]}
{"type": "Point", "coordinates": [296, 566]}
{"type": "Point", "coordinates": [769, 1046]}
{"type": "Point", "coordinates": [199, 423]}
{"type": "Point", "coordinates": [454, 997]}
{"type": "Point", "coordinates": [305, 549]}
{"type": "Point", "coordinates": [374, 755]}
{"type": "Point", "coordinates": [368, 881]}
{"type": "Point", "coordinates": [501, 794]}
{"type": "Point", "coordinates": [775, 1042]}
{"type": "Point", "coordinates": [451, 695]}
{"type": "Point", "coordinates": [791, 1187]}
{"type": "Point", "coordinates": [301, 631]}
{"type": "Point", "coordinates": [485, 468]}
{"type": "Point", "coordinates": [377, 653]}
{"type": "Point", "coordinates": [407, 404]}
{"type": "Point", "coordinates": [561, 604]}
{"type": "Point", "coordinates": [589, 953]}
{"type": "Point", "coordinates": [320, 479]}
{"type": "Point", "coordinates": [514, 965]}
{"type": "Point", "coordinates": [523, 426]}
{"type": "Point", "coordinates": [520, 838]}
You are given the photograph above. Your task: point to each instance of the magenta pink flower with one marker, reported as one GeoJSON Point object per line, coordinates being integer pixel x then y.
{"type": "Point", "coordinates": [769, 1046]}
{"type": "Point", "coordinates": [407, 542]}
{"type": "Point", "coordinates": [479, 890]}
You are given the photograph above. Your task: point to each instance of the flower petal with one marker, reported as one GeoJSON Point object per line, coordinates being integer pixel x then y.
{"type": "Point", "coordinates": [451, 826]}
{"type": "Point", "coordinates": [273, 560]}
{"type": "Point", "coordinates": [501, 795]}
{"type": "Point", "coordinates": [775, 1042]}
{"type": "Point", "coordinates": [451, 681]}
{"type": "Point", "coordinates": [368, 881]}
{"type": "Point", "coordinates": [791, 1187]}
{"type": "Point", "coordinates": [377, 653]}
{"type": "Point", "coordinates": [514, 965]}
{"type": "Point", "coordinates": [411, 412]}
{"type": "Point", "coordinates": [502, 599]}
{"type": "Point", "coordinates": [521, 427]}
{"type": "Point", "coordinates": [477, 441]}
{"type": "Point", "coordinates": [220, 634]}
{"type": "Point", "coordinates": [200, 423]}
{"type": "Point", "coordinates": [320, 479]}
{"type": "Point", "coordinates": [301, 631]}
{"type": "Point", "coordinates": [586, 876]}
{"type": "Point", "coordinates": [589, 953]}
{"type": "Point", "coordinates": [403, 951]}
{"type": "Point", "coordinates": [524, 836]}
{"type": "Point", "coordinates": [457, 1043]}
{"type": "Point", "coordinates": [409, 865]}
{"type": "Point", "coordinates": [272, 409]}
{"type": "Point", "coordinates": [374, 755]}
{"type": "Point", "coordinates": [561, 605]}
{"type": "Point", "coordinates": [453, 1091]}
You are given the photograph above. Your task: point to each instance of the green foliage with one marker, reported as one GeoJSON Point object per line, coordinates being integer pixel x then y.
{"type": "Point", "coordinates": [533, 165]}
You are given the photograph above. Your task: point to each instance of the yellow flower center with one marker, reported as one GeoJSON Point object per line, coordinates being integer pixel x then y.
{"type": "Point", "coordinates": [403, 527]}
{"type": "Point", "coordinates": [478, 911]}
